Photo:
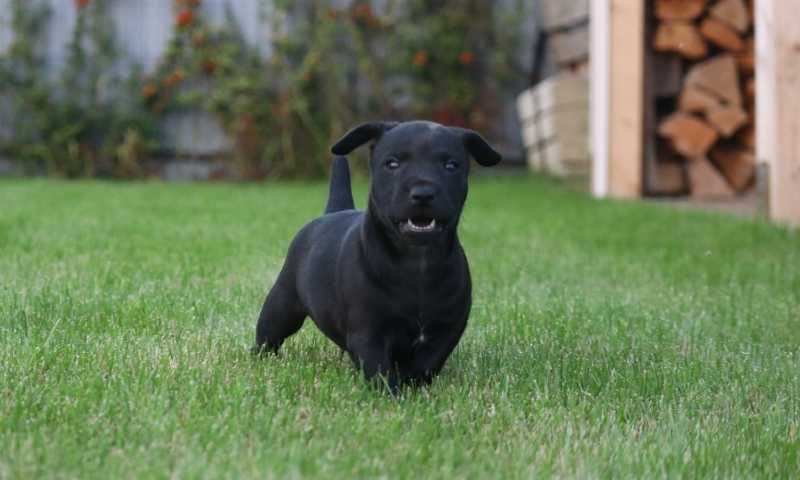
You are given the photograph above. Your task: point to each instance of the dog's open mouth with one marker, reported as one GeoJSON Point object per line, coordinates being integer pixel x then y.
{"type": "Point", "coordinates": [420, 225]}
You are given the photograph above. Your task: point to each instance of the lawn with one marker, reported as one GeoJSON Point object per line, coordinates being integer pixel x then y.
{"type": "Point", "coordinates": [607, 339]}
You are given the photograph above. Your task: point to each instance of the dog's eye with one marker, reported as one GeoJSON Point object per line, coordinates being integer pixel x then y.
{"type": "Point", "coordinates": [450, 165]}
{"type": "Point", "coordinates": [392, 163]}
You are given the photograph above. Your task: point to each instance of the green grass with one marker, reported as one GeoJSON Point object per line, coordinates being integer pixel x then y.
{"type": "Point", "coordinates": [607, 339]}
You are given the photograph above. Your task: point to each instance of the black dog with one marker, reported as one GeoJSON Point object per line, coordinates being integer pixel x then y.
{"type": "Point", "coordinates": [390, 285]}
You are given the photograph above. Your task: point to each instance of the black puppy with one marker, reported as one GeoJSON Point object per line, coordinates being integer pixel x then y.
{"type": "Point", "coordinates": [390, 285]}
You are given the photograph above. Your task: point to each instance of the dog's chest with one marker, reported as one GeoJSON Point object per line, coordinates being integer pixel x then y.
{"type": "Point", "coordinates": [430, 298]}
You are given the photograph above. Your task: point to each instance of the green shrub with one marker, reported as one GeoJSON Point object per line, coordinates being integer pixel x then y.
{"type": "Point", "coordinates": [445, 60]}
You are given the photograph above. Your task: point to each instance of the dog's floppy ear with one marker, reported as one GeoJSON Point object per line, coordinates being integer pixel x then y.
{"type": "Point", "coordinates": [361, 135]}
{"type": "Point", "coordinates": [479, 148]}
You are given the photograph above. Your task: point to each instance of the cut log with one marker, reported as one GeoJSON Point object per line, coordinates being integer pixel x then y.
{"type": "Point", "coordinates": [750, 90]}
{"type": "Point", "coordinates": [706, 182]}
{"type": "Point", "coordinates": [727, 120]}
{"type": "Point", "coordinates": [689, 135]}
{"type": "Point", "coordinates": [670, 10]}
{"type": "Point", "coordinates": [732, 12]}
{"type": "Point", "coordinates": [670, 179]}
{"type": "Point", "coordinates": [717, 76]}
{"type": "Point", "coordinates": [747, 136]}
{"type": "Point", "coordinates": [746, 58]}
{"type": "Point", "coordinates": [721, 34]}
{"type": "Point", "coordinates": [682, 38]}
{"type": "Point", "coordinates": [738, 165]}
{"type": "Point", "coordinates": [695, 99]}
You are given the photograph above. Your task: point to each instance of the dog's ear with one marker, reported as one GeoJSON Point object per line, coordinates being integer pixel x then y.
{"type": "Point", "coordinates": [361, 135]}
{"type": "Point", "coordinates": [479, 148]}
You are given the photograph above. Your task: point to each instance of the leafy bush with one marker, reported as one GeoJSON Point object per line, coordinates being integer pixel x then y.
{"type": "Point", "coordinates": [73, 126]}
{"type": "Point", "coordinates": [446, 60]}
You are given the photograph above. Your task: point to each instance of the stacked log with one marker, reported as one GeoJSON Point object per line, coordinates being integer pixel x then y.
{"type": "Point", "coordinates": [554, 113]}
{"type": "Point", "coordinates": [555, 129]}
{"type": "Point", "coordinates": [703, 91]}
{"type": "Point", "coordinates": [566, 23]}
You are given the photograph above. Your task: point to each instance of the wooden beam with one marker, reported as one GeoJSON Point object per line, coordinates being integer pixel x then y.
{"type": "Point", "coordinates": [626, 79]}
{"type": "Point", "coordinates": [785, 167]}
{"type": "Point", "coordinates": [599, 59]}
{"type": "Point", "coordinates": [766, 137]}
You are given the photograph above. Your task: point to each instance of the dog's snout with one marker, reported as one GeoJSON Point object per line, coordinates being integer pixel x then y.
{"type": "Point", "coordinates": [422, 193]}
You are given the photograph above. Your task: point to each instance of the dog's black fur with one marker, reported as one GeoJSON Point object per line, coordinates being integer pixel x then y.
{"type": "Point", "coordinates": [385, 285]}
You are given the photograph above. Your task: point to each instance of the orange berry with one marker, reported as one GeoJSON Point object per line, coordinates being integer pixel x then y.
{"type": "Point", "coordinates": [420, 58]}
{"type": "Point", "coordinates": [209, 66]}
{"type": "Point", "coordinates": [466, 58]}
{"type": "Point", "coordinates": [149, 90]}
{"type": "Point", "coordinates": [174, 78]}
{"type": "Point", "coordinates": [185, 18]}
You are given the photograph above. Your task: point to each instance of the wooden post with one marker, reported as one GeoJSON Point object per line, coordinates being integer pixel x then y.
{"type": "Point", "coordinates": [626, 78]}
{"type": "Point", "coordinates": [785, 176]}
{"type": "Point", "coordinates": [599, 102]}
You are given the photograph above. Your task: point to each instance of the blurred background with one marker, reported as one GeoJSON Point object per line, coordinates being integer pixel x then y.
{"type": "Point", "coordinates": [248, 89]}
{"type": "Point", "coordinates": [258, 89]}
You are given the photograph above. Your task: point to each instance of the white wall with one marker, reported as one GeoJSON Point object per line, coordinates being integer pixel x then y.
{"type": "Point", "coordinates": [142, 32]}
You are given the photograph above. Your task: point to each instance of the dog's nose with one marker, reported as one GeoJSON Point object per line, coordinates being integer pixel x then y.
{"type": "Point", "coordinates": [422, 193]}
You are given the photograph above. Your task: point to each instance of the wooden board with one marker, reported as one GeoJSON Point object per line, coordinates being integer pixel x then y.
{"type": "Point", "coordinates": [785, 167]}
{"type": "Point", "coordinates": [560, 14]}
{"type": "Point", "coordinates": [561, 159]}
{"type": "Point", "coordinates": [669, 179]}
{"type": "Point", "coordinates": [555, 129]}
{"type": "Point", "coordinates": [625, 161]}
{"type": "Point", "coordinates": [600, 109]}
{"type": "Point", "coordinates": [566, 88]}
{"type": "Point", "coordinates": [566, 120]}
{"type": "Point", "coordinates": [570, 45]}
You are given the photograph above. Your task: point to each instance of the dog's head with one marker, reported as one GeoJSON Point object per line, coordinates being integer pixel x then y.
{"type": "Point", "coordinates": [419, 174]}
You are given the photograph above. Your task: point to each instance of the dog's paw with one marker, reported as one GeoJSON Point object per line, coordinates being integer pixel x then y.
{"type": "Point", "coordinates": [261, 351]}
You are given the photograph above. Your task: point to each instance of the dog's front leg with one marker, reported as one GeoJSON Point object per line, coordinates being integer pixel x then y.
{"type": "Point", "coordinates": [432, 352]}
{"type": "Point", "coordinates": [371, 355]}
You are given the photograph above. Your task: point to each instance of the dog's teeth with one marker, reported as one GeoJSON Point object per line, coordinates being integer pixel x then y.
{"type": "Point", "coordinates": [421, 228]}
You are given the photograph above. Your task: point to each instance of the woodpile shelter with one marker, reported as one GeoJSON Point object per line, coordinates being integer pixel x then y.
{"type": "Point", "coordinates": [697, 97]}
{"type": "Point", "coordinates": [692, 99]}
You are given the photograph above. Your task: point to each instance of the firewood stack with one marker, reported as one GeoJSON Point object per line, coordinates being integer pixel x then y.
{"type": "Point", "coordinates": [704, 93]}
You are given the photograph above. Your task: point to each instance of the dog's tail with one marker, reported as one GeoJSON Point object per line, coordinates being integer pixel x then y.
{"type": "Point", "coordinates": [340, 196]}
